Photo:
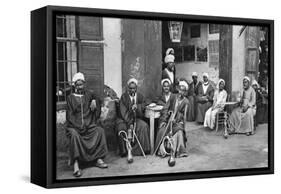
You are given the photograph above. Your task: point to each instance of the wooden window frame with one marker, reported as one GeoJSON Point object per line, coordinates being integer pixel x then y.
{"type": "Point", "coordinates": [61, 100]}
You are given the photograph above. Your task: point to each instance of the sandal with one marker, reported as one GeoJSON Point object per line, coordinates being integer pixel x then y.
{"type": "Point", "coordinates": [77, 173]}
{"type": "Point", "coordinates": [101, 164]}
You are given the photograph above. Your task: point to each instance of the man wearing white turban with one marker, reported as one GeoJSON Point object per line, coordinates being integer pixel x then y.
{"type": "Point", "coordinates": [241, 119]}
{"type": "Point", "coordinates": [131, 113]}
{"type": "Point", "coordinates": [87, 139]}
{"type": "Point", "coordinates": [132, 80]}
{"type": "Point", "coordinates": [177, 104]}
{"type": "Point", "coordinates": [170, 51]}
{"type": "Point", "coordinates": [204, 98]}
{"type": "Point", "coordinates": [218, 105]}
{"type": "Point", "coordinates": [169, 71]}
{"type": "Point", "coordinates": [78, 76]}
{"type": "Point", "coordinates": [261, 102]}
{"type": "Point", "coordinates": [166, 92]}
{"type": "Point", "coordinates": [192, 93]}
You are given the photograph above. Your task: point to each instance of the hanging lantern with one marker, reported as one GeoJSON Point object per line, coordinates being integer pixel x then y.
{"type": "Point", "coordinates": [175, 30]}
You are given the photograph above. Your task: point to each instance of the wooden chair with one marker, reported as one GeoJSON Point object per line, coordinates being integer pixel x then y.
{"type": "Point", "coordinates": [221, 117]}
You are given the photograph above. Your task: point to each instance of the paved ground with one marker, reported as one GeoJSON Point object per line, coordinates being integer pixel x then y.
{"type": "Point", "coordinates": [208, 150]}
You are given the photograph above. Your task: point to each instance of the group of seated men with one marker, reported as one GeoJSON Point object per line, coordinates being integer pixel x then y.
{"type": "Point", "coordinates": [197, 101]}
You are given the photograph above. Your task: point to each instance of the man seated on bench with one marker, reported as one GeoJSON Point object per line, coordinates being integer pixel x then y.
{"type": "Point", "coordinates": [87, 139]}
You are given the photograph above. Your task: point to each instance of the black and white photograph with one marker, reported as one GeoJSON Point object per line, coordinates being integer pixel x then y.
{"type": "Point", "coordinates": [142, 96]}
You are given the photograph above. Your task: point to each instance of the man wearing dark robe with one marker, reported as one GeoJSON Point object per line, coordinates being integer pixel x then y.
{"type": "Point", "coordinates": [166, 92]}
{"type": "Point", "coordinates": [169, 72]}
{"type": "Point", "coordinates": [177, 104]}
{"type": "Point", "coordinates": [87, 139]}
{"type": "Point", "coordinates": [191, 95]}
{"type": "Point", "coordinates": [204, 98]}
{"type": "Point", "coordinates": [131, 112]}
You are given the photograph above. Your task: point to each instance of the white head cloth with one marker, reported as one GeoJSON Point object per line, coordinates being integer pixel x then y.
{"type": "Point", "coordinates": [220, 80]}
{"type": "Point", "coordinates": [206, 74]}
{"type": "Point", "coordinates": [194, 74]}
{"type": "Point", "coordinates": [78, 76]}
{"type": "Point", "coordinates": [169, 50]}
{"type": "Point", "coordinates": [247, 78]}
{"type": "Point", "coordinates": [166, 80]}
{"type": "Point", "coordinates": [254, 82]}
{"type": "Point", "coordinates": [132, 80]}
{"type": "Point", "coordinates": [183, 83]}
{"type": "Point", "coordinates": [169, 59]}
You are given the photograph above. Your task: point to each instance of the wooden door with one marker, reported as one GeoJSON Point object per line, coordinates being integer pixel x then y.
{"type": "Point", "coordinates": [252, 51]}
{"type": "Point", "coordinates": [141, 55]}
{"type": "Point", "coordinates": [91, 61]}
{"type": "Point", "coordinates": [225, 55]}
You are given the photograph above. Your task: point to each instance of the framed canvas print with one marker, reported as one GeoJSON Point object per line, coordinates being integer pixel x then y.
{"type": "Point", "coordinates": [125, 96]}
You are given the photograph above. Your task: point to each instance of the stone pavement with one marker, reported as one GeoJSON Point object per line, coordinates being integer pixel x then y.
{"type": "Point", "coordinates": [207, 149]}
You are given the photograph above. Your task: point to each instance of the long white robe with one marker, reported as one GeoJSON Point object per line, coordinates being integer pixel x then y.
{"type": "Point", "coordinates": [243, 122]}
{"type": "Point", "coordinates": [218, 105]}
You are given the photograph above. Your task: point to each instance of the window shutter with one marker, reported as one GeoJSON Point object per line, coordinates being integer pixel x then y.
{"type": "Point", "coordinates": [252, 45]}
{"type": "Point", "coordinates": [213, 53]}
{"type": "Point", "coordinates": [91, 52]}
{"type": "Point", "coordinates": [91, 64]}
{"type": "Point", "coordinates": [90, 28]}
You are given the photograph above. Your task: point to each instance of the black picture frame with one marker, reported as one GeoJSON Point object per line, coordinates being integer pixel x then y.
{"type": "Point", "coordinates": [43, 104]}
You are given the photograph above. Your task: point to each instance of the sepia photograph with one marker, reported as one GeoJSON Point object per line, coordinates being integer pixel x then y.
{"type": "Point", "coordinates": [141, 96]}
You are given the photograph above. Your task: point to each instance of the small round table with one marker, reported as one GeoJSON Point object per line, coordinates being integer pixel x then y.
{"type": "Point", "coordinates": [152, 112]}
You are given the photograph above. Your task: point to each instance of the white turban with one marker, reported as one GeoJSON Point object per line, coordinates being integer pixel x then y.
{"type": "Point", "coordinates": [169, 50]}
{"type": "Point", "coordinates": [194, 74]}
{"type": "Point", "coordinates": [221, 80]}
{"type": "Point", "coordinates": [169, 59]}
{"type": "Point", "coordinates": [247, 78]}
{"type": "Point", "coordinates": [206, 74]}
{"type": "Point", "coordinates": [132, 80]}
{"type": "Point", "coordinates": [166, 80]}
{"type": "Point", "coordinates": [78, 76]}
{"type": "Point", "coordinates": [255, 83]}
{"type": "Point", "coordinates": [183, 83]}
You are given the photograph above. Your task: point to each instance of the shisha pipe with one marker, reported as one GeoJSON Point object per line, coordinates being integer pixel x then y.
{"type": "Point", "coordinates": [127, 139]}
{"type": "Point", "coordinates": [80, 95]}
{"type": "Point", "coordinates": [163, 136]}
{"type": "Point", "coordinates": [134, 129]}
{"type": "Point", "coordinates": [172, 160]}
{"type": "Point", "coordinates": [169, 123]}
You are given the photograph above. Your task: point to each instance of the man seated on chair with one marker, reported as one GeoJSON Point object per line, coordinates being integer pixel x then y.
{"type": "Point", "coordinates": [177, 105]}
{"type": "Point", "coordinates": [87, 139]}
{"type": "Point", "coordinates": [204, 98]}
{"type": "Point", "coordinates": [166, 92]}
{"type": "Point", "coordinates": [130, 116]}
{"type": "Point", "coordinates": [241, 119]}
{"type": "Point", "coordinates": [218, 105]}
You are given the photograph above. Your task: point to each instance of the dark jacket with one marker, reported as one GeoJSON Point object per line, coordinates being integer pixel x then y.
{"type": "Point", "coordinates": [165, 75]}
{"type": "Point", "coordinates": [126, 113]}
{"type": "Point", "coordinates": [78, 111]}
{"type": "Point", "coordinates": [209, 94]}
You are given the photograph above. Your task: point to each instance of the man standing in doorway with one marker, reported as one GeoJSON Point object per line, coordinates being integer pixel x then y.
{"type": "Point", "coordinates": [169, 71]}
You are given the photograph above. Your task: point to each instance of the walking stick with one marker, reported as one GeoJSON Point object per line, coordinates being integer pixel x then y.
{"type": "Point", "coordinates": [164, 134]}
{"type": "Point", "coordinates": [135, 135]}
{"type": "Point", "coordinates": [134, 132]}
